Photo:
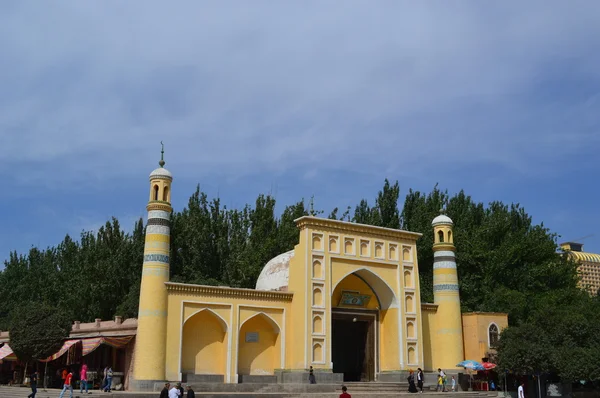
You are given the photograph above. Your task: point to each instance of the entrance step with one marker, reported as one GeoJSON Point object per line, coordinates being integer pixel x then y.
{"type": "Point", "coordinates": [21, 392]}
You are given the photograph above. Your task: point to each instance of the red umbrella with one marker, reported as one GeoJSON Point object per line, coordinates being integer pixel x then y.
{"type": "Point", "coordinates": [488, 365]}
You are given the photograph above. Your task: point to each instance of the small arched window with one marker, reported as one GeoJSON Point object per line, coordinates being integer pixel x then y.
{"type": "Point", "coordinates": [441, 236]}
{"type": "Point", "coordinates": [166, 194]}
{"type": "Point", "coordinates": [155, 196]}
{"type": "Point", "coordinates": [493, 335]}
{"type": "Point", "coordinates": [449, 236]}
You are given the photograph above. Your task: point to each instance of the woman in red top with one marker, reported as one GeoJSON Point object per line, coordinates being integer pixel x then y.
{"type": "Point", "coordinates": [67, 385]}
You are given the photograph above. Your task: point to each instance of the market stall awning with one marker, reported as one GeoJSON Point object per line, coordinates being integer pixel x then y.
{"type": "Point", "coordinates": [89, 345]}
{"type": "Point", "coordinates": [60, 352]}
{"type": "Point", "coordinates": [6, 353]}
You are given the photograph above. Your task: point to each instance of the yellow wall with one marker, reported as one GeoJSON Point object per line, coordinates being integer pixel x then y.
{"type": "Point", "coordinates": [236, 307]}
{"type": "Point", "coordinates": [204, 347]}
{"type": "Point", "coordinates": [261, 357]}
{"type": "Point", "coordinates": [429, 349]}
{"type": "Point", "coordinates": [475, 332]}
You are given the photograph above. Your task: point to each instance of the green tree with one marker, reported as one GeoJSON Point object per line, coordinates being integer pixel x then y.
{"type": "Point", "coordinates": [37, 330]}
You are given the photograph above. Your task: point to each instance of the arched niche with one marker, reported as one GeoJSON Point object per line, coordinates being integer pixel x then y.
{"type": "Point", "coordinates": [349, 246]}
{"type": "Point", "coordinates": [317, 269]}
{"type": "Point", "coordinates": [410, 305]}
{"type": "Point", "coordinates": [317, 352]}
{"type": "Point", "coordinates": [408, 279]}
{"type": "Point", "coordinates": [204, 344]}
{"type": "Point", "coordinates": [406, 254]}
{"type": "Point", "coordinates": [258, 346]}
{"type": "Point", "coordinates": [410, 330]}
{"type": "Point", "coordinates": [412, 355]}
{"type": "Point", "coordinates": [317, 242]}
{"type": "Point", "coordinates": [318, 324]}
{"type": "Point", "coordinates": [393, 252]}
{"type": "Point", "coordinates": [333, 245]}
{"type": "Point", "coordinates": [364, 248]}
{"type": "Point", "coordinates": [317, 297]}
{"type": "Point", "coordinates": [379, 250]}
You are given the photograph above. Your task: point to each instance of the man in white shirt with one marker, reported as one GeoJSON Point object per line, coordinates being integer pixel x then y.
{"type": "Point", "coordinates": [521, 394]}
{"type": "Point", "coordinates": [174, 392]}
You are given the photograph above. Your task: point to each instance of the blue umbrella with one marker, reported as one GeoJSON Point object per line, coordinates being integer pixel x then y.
{"type": "Point", "coordinates": [473, 365]}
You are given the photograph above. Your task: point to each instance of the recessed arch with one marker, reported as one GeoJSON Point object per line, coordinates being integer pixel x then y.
{"type": "Point", "coordinates": [222, 322]}
{"type": "Point", "coordinates": [441, 236]}
{"type": "Point", "coordinates": [204, 343]}
{"type": "Point", "coordinates": [493, 332]}
{"type": "Point", "coordinates": [155, 192]}
{"type": "Point", "coordinates": [268, 318]}
{"type": "Point", "coordinates": [166, 194]}
{"type": "Point", "coordinates": [259, 346]}
{"type": "Point", "coordinates": [383, 292]}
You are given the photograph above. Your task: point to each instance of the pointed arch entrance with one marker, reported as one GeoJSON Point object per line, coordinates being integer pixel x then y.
{"type": "Point", "coordinates": [357, 301]}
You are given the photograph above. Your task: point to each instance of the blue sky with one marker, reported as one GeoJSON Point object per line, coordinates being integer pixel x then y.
{"type": "Point", "coordinates": [500, 99]}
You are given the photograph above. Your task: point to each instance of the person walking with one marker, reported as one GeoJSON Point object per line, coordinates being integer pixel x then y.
{"type": "Point", "coordinates": [311, 376]}
{"type": "Point", "coordinates": [67, 385]}
{"type": "Point", "coordinates": [33, 380]}
{"type": "Point", "coordinates": [521, 391]}
{"type": "Point", "coordinates": [109, 376]}
{"type": "Point", "coordinates": [420, 380]}
{"type": "Point", "coordinates": [190, 392]}
{"type": "Point", "coordinates": [411, 382]}
{"type": "Point", "coordinates": [83, 379]}
{"type": "Point", "coordinates": [453, 384]}
{"type": "Point", "coordinates": [165, 391]}
{"type": "Point", "coordinates": [104, 373]}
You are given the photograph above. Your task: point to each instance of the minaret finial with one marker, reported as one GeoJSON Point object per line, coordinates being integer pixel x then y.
{"type": "Point", "coordinates": [162, 155]}
{"type": "Point", "coordinates": [442, 210]}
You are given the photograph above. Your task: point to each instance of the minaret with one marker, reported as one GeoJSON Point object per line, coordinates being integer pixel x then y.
{"type": "Point", "coordinates": [150, 352]}
{"type": "Point", "coordinates": [448, 319]}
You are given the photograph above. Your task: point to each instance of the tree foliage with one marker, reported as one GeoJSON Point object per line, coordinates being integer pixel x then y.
{"type": "Point", "coordinates": [37, 330]}
{"type": "Point", "coordinates": [560, 336]}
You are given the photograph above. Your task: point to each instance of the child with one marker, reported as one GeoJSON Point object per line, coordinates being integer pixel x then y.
{"type": "Point", "coordinates": [453, 384]}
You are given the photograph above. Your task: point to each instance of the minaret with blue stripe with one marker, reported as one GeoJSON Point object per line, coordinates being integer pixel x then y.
{"type": "Point", "coordinates": [448, 319]}
{"type": "Point", "coordinates": [150, 351]}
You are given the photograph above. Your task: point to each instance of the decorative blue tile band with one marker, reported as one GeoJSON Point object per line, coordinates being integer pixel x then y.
{"type": "Point", "coordinates": [160, 258]}
{"type": "Point", "coordinates": [445, 286]}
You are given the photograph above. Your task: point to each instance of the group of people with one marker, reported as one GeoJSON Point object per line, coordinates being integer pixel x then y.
{"type": "Point", "coordinates": [176, 391]}
{"type": "Point", "coordinates": [420, 378]}
{"type": "Point", "coordinates": [67, 378]}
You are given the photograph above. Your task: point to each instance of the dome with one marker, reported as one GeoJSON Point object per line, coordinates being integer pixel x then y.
{"type": "Point", "coordinates": [441, 219]}
{"type": "Point", "coordinates": [161, 172]}
{"type": "Point", "coordinates": [276, 274]}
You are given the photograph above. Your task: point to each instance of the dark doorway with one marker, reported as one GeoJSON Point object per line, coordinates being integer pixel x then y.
{"type": "Point", "coordinates": [353, 347]}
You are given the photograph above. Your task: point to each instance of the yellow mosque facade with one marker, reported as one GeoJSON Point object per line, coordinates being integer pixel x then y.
{"type": "Point", "coordinates": [345, 301]}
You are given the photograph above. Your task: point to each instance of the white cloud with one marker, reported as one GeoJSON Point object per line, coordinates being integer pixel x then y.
{"type": "Point", "coordinates": [237, 88]}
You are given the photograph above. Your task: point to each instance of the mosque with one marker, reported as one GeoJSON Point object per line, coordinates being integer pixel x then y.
{"type": "Point", "coordinates": [345, 301]}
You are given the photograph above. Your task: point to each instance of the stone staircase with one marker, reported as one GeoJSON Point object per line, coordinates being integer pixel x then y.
{"type": "Point", "coordinates": [357, 390]}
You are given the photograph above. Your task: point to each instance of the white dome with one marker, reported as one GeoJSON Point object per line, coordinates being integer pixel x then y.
{"type": "Point", "coordinates": [276, 274]}
{"type": "Point", "coordinates": [161, 172]}
{"type": "Point", "coordinates": [441, 219]}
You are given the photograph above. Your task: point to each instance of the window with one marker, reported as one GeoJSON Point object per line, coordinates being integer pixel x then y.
{"type": "Point", "coordinates": [441, 236]}
{"type": "Point", "coordinates": [493, 335]}
{"type": "Point", "coordinates": [155, 196]}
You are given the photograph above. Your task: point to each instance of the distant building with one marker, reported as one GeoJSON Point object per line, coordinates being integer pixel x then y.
{"type": "Point", "coordinates": [481, 333]}
{"type": "Point", "coordinates": [589, 266]}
